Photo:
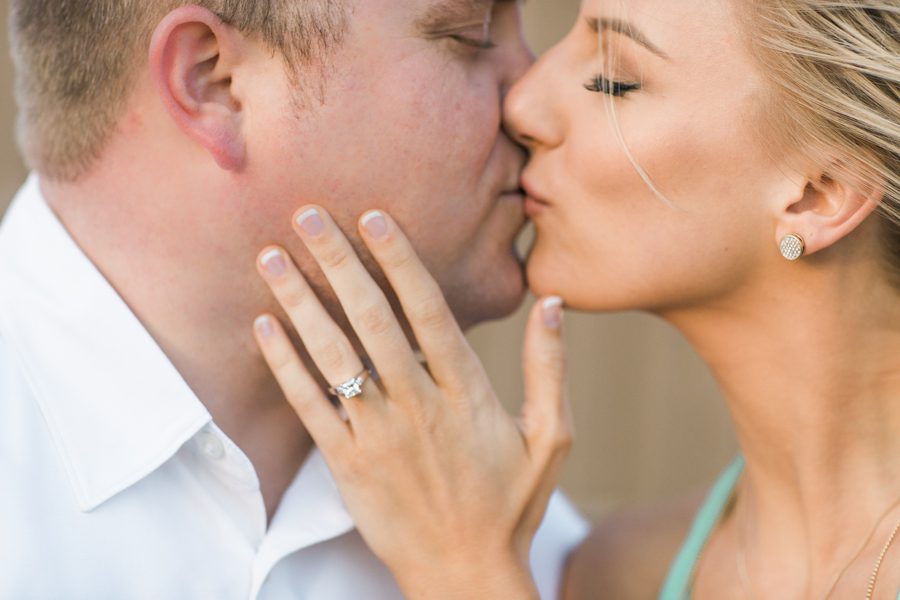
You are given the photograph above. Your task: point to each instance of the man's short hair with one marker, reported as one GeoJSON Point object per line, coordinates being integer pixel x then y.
{"type": "Point", "coordinates": [76, 61]}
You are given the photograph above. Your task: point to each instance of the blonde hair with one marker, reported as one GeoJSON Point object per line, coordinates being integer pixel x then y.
{"type": "Point", "coordinates": [76, 60]}
{"type": "Point", "coordinates": [835, 70]}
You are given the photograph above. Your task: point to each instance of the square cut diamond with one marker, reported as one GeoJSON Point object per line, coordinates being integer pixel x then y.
{"type": "Point", "coordinates": [350, 389]}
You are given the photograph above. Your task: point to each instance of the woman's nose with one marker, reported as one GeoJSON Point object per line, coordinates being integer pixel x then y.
{"type": "Point", "coordinates": [529, 113]}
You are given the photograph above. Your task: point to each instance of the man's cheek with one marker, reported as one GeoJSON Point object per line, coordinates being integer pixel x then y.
{"type": "Point", "coordinates": [477, 127]}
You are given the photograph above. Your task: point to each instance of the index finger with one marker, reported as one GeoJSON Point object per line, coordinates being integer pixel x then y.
{"type": "Point", "coordinates": [450, 358]}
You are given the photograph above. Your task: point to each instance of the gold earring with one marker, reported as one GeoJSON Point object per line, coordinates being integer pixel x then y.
{"type": "Point", "coordinates": [792, 246]}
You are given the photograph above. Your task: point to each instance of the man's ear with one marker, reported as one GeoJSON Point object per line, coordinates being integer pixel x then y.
{"type": "Point", "coordinates": [827, 207]}
{"type": "Point", "coordinates": [193, 55]}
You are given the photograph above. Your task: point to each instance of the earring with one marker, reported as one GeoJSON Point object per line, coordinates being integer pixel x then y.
{"type": "Point", "coordinates": [792, 246]}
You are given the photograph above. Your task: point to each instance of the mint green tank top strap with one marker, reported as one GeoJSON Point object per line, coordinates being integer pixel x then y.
{"type": "Point", "coordinates": [681, 574]}
{"type": "Point", "coordinates": [679, 581]}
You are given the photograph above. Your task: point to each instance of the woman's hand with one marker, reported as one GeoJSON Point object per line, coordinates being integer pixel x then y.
{"type": "Point", "coordinates": [446, 488]}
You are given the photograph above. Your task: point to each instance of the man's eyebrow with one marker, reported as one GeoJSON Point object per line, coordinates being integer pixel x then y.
{"type": "Point", "coordinates": [628, 30]}
{"type": "Point", "coordinates": [447, 12]}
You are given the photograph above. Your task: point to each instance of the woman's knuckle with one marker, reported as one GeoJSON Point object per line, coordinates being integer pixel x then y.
{"type": "Point", "coordinates": [550, 439]}
{"type": "Point", "coordinates": [554, 362]}
{"type": "Point", "coordinates": [299, 401]}
{"type": "Point", "coordinates": [293, 297]}
{"type": "Point", "coordinates": [424, 420]}
{"type": "Point", "coordinates": [334, 257]}
{"type": "Point", "coordinates": [332, 355]}
{"type": "Point", "coordinates": [280, 361]}
{"type": "Point", "coordinates": [565, 439]}
{"type": "Point", "coordinates": [398, 257]}
{"type": "Point", "coordinates": [376, 319]}
{"type": "Point", "coordinates": [431, 312]}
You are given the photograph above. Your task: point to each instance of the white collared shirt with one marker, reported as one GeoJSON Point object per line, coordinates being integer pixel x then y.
{"type": "Point", "coordinates": [116, 484]}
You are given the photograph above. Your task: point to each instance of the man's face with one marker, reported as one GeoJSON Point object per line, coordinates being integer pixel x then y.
{"type": "Point", "coordinates": [407, 119]}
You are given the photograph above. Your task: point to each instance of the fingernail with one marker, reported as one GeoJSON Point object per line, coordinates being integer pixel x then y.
{"type": "Point", "coordinates": [311, 222]}
{"type": "Point", "coordinates": [553, 312]}
{"type": "Point", "coordinates": [264, 326]}
{"type": "Point", "coordinates": [274, 264]}
{"type": "Point", "coordinates": [375, 224]}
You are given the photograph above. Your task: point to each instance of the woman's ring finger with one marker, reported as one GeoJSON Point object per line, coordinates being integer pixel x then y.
{"type": "Point", "coordinates": [351, 388]}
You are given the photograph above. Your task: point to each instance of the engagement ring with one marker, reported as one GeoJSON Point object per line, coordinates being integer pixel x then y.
{"type": "Point", "coordinates": [352, 387]}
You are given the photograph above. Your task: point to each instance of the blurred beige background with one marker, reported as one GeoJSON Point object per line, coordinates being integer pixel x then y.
{"type": "Point", "coordinates": [650, 421]}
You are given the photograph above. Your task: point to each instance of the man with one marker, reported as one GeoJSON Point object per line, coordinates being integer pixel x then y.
{"type": "Point", "coordinates": [145, 450]}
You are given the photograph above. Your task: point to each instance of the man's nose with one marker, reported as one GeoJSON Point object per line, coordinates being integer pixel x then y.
{"type": "Point", "coordinates": [520, 60]}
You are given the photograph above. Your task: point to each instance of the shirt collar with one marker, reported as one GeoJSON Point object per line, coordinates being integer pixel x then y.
{"type": "Point", "coordinates": [115, 405]}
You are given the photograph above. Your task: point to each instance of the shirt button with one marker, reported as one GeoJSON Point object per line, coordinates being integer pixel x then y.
{"type": "Point", "coordinates": [211, 445]}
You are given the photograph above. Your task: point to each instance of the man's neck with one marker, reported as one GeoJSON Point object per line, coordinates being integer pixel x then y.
{"type": "Point", "coordinates": [198, 302]}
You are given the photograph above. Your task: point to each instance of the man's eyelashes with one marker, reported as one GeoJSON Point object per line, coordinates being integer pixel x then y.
{"type": "Point", "coordinates": [474, 36]}
{"type": "Point", "coordinates": [481, 44]}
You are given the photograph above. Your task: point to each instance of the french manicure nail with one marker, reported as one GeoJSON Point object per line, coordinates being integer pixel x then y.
{"type": "Point", "coordinates": [311, 222]}
{"type": "Point", "coordinates": [553, 312]}
{"type": "Point", "coordinates": [265, 327]}
{"type": "Point", "coordinates": [375, 224]}
{"type": "Point", "coordinates": [274, 264]}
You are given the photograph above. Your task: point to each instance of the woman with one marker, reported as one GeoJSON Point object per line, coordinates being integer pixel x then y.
{"type": "Point", "coordinates": [732, 167]}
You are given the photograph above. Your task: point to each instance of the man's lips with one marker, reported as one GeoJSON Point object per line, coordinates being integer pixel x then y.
{"type": "Point", "coordinates": [512, 198]}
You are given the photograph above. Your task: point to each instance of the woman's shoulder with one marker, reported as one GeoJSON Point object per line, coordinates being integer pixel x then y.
{"type": "Point", "coordinates": [628, 553]}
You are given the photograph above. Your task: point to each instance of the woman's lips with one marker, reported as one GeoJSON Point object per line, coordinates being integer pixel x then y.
{"type": "Point", "coordinates": [534, 202]}
{"type": "Point", "coordinates": [534, 207]}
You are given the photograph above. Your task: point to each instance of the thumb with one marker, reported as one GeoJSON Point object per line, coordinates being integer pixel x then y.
{"type": "Point", "coordinates": [546, 410]}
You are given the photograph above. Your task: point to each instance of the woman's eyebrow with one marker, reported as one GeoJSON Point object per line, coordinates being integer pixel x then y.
{"type": "Point", "coordinates": [628, 30]}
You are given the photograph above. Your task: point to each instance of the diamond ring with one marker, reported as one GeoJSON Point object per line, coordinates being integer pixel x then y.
{"type": "Point", "coordinates": [352, 387]}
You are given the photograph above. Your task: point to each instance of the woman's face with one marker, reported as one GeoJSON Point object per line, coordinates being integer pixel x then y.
{"type": "Point", "coordinates": [605, 240]}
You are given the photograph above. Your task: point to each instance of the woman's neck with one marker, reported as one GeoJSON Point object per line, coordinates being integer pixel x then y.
{"type": "Point", "coordinates": [810, 369]}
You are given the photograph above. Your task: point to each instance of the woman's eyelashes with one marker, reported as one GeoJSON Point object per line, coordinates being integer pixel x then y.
{"type": "Point", "coordinates": [599, 83]}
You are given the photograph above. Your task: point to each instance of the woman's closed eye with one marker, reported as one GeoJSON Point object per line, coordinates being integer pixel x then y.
{"type": "Point", "coordinates": [619, 89]}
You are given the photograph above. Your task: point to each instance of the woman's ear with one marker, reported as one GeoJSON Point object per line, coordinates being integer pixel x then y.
{"type": "Point", "coordinates": [830, 205]}
{"type": "Point", "coordinates": [193, 55]}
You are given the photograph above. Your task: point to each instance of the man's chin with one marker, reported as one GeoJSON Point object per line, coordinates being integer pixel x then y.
{"type": "Point", "coordinates": [490, 298]}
